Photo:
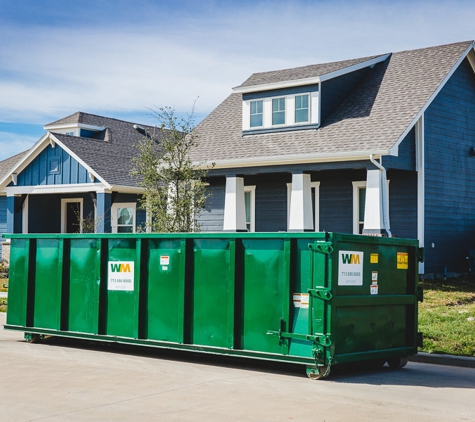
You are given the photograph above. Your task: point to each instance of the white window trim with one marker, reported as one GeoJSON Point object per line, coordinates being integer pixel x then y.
{"type": "Point", "coordinates": [252, 190]}
{"type": "Point", "coordinates": [313, 107]}
{"type": "Point", "coordinates": [316, 205]}
{"type": "Point", "coordinates": [114, 209]}
{"type": "Point", "coordinates": [24, 216]}
{"type": "Point", "coordinates": [65, 201]}
{"type": "Point", "coordinates": [356, 199]}
{"type": "Point", "coordinates": [356, 204]}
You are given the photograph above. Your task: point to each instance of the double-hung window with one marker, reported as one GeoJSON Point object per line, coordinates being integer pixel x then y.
{"type": "Point", "coordinates": [301, 108]}
{"type": "Point", "coordinates": [256, 113]}
{"type": "Point", "coordinates": [278, 111]}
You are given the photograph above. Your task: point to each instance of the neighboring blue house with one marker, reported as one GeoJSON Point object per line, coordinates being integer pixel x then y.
{"type": "Point", "coordinates": [79, 170]}
{"type": "Point", "coordinates": [349, 147]}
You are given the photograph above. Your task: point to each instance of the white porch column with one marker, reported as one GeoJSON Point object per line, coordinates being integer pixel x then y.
{"type": "Point", "coordinates": [376, 214]}
{"type": "Point", "coordinates": [301, 212]}
{"type": "Point", "coordinates": [234, 205]}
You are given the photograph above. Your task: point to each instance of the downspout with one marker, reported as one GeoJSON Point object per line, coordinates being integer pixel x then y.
{"type": "Point", "coordinates": [384, 196]}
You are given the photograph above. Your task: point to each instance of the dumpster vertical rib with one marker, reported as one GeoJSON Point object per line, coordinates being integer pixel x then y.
{"type": "Point", "coordinates": [238, 293]}
{"type": "Point", "coordinates": [65, 283]}
{"type": "Point", "coordinates": [286, 293]}
{"type": "Point", "coordinates": [102, 270]}
{"type": "Point", "coordinates": [143, 292]}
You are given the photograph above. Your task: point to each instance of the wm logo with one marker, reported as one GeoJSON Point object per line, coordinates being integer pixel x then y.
{"type": "Point", "coordinates": [350, 258]}
{"type": "Point", "coordinates": [120, 268]}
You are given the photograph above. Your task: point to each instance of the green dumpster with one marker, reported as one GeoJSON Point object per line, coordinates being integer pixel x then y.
{"type": "Point", "coordinates": [314, 299]}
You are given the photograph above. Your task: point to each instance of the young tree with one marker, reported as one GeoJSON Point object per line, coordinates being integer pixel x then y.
{"type": "Point", "coordinates": [175, 187]}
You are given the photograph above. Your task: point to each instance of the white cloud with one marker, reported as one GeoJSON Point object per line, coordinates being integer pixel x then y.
{"type": "Point", "coordinates": [12, 144]}
{"type": "Point", "coordinates": [50, 72]}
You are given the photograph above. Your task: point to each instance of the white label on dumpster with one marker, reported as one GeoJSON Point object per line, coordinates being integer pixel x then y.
{"type": "Point", "coordinates": [300, 300]}
{"type": "Point", "coordinates": [350, 268]}
{"type": "Point", "coordinates": [120, 275]}
{"type": "Point", "coordinates": [164, 260]}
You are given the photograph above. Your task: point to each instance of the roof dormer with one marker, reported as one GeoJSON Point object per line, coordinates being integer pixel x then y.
{"type": "Point", "coordinates": [291, 99]}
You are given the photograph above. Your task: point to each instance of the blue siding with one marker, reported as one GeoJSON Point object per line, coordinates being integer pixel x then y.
{"type": "Point", "coordinates": [37, 172]}
{"type": "Point", "coordinates": [3, 219]}
{"type": "Point", "coordinates": [271, 201]}
{"type": "Point", "coordinates": [450, 173]}
{"type": "Point", "coordinates": [403, 203]}
{"type": "Point", "coordinates": [283, 91]}
{"type": "Point", "coordinates": [211, 218]}
{"type": "Point", "coordinates": [406, 159]}
{"type": "Point", "coordinates": [44, 211]}
{"type": "Point", "coordinates": [336, 199]}
{"type": "Point", "coordinates": [336, 90]}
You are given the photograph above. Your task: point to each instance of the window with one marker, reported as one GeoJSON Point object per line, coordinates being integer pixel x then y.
{"type": "Point", "coordinates": [123, 218]}
{"type": "Point", "coordinates": [278, 111]}
{"type": "Point", "coordinates": [315, 187]}
{"type": "Point", "coordinates": [256, 113]}
{"type": "Point", "coordinates": [250, 204]}
{"type": "Point", "coordinates": [359, 202]}
{"type": "Point", "coordinates": [301, 108]}
{"type": "Point", "coordinates": [54, 165]}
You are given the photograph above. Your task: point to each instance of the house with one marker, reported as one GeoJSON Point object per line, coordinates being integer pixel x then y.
{"type": "Point", "coordinates": [383, 145]}
{"type": "Point", "coordinates": [78, 172]}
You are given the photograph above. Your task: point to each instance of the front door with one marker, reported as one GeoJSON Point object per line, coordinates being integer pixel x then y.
{"type": "Point", "coordinates": [71, 215]}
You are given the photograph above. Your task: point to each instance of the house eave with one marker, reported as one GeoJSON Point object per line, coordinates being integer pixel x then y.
{"type": "Point", "coordinates": [294, 159]}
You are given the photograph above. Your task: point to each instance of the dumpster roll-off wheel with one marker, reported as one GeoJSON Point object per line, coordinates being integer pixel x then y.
{"type": "Point", "coordinates": [397, 363]}
{"type": "Point", "coordinates": [318, 373]}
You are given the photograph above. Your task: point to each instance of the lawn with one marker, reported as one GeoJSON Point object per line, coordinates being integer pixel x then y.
{"type": "Point", "coordinates": [447, 316]}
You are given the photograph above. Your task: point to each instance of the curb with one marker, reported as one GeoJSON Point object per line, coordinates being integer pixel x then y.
{"type": "Point", "coordinates": [448, 360]}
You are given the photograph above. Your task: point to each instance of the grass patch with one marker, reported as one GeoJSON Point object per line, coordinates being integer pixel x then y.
{"type": "Point", "coordinates": [3, 304]}
{"type": "Point", "coordinates": [447, 317]}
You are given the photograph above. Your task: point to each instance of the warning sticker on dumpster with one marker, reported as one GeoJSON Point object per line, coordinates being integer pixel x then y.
{"type": "Point", "coordinates": [164, 260]}
{"type": "Point", "coordinates": [120, 275]}
{"type": "Point", "coordinates": [300, 300]}
{"type": "Point", "coordinates": [350, 268]}
{"type": "Point", "coordinates": [402, 261]}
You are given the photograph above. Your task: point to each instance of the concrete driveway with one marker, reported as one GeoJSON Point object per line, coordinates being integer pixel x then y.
{"type": "Point", "coordinates": [66, 380]}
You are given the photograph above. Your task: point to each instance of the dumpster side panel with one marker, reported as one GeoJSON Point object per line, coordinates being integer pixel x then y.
{"type": "Point", "coordinates": [266, 294]}
{"type": "Point", "coordinates": [83, 315]}
{"type": "Point", "coordinates": [18, 282]}
{"type": "Point", "coordinates": [123, 275]}
{"type": "Point", "coordinates": [165, 286]}
{"type": "Point", "coordinates": [48, 284]}
{"type": "Point", "coordinates": [212, 320]}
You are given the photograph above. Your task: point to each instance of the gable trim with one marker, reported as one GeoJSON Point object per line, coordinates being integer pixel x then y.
{"type": "Point", "coordinates": [37, 148]}
{"type": "Point", "coordinates": [470, 54]}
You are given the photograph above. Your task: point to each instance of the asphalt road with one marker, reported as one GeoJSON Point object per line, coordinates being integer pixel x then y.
{"type": "Point", "coordinates": [60, 380]}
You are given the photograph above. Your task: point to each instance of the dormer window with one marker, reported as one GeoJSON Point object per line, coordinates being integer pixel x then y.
{"type": "Point", "coordinates": [280, 110]}
{"type": "Point", "coordinates": [256, 113]}
{"type": "Point", "coordinates": [301, 108]}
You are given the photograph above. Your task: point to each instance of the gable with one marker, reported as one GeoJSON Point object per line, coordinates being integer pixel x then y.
{"type": "Point", "coordinates": [52, 166]}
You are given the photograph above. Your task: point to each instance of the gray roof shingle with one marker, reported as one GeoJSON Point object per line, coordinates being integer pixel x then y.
{"type": "Point", "coordinates": [373, 118]}
{"type": "Point", "coordinates": [6, 166]}
{"type": "Point", "coordinates": [111, 151]}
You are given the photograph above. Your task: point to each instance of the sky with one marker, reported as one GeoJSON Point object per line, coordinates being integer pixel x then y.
{"type": "Point", "coordinates": [125, 58]}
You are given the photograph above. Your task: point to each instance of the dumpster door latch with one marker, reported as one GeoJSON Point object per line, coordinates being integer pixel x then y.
{"type": "Point", "coordinates": [318, 339]}
{"type": "Point", "coordinates": [322, 247]}
{"type": "Point", "coordinates": [321, 293]}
